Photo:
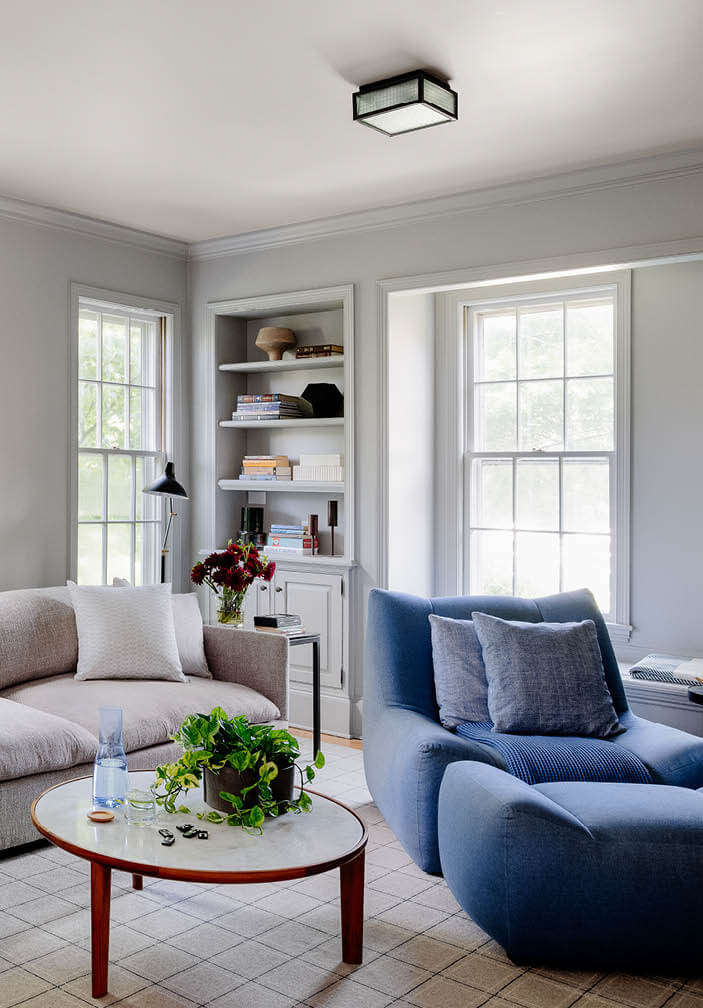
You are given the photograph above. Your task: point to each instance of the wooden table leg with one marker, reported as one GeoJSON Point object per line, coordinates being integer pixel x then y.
{"type": "Point", "coordinates": [352, 892]}
{"type": "Point", "coordinates": [137, 881]}
{"type": "Point", "coordinates": [100, 879]}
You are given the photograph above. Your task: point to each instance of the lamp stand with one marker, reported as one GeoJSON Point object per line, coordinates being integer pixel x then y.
{"type": "Point", "coordinates": [164, 549]}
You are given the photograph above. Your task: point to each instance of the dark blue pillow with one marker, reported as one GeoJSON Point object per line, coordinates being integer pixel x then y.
{"type": "Point", "coordinates": [545, 678]}
{"type": "Point", "coordinates": [459, 676]}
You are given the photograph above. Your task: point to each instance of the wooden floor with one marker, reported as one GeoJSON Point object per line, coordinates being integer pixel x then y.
{"type": "Point", "coordinates": [350, 743]}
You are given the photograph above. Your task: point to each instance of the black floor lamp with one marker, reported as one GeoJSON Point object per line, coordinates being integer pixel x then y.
{"type": "Point", "coordinates": [167, 486]}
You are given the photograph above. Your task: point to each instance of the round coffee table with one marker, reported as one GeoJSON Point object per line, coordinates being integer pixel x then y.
{"type": "Point", "coordinates": [292, 846]}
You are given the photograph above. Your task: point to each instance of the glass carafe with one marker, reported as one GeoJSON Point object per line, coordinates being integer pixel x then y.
{"type": "Point", "coordinates": [110, 771]}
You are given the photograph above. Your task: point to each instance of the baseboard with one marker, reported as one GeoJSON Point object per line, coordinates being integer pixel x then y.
{"type": "Point", "coordinates": [335, 712]}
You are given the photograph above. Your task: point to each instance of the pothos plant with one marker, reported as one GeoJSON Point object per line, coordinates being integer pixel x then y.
{"type": "Point", "coordinates": [215, 741]}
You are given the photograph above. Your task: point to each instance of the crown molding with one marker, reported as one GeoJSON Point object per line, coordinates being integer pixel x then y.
{"type": "Point", "coordinates": [658, 168]}
{"type": "Point", "coordinates": [628, 173]}
{"type": "Point", "coordinates": [90, 227]}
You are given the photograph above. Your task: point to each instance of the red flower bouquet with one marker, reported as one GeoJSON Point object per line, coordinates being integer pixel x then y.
{"type": "Point", "coordinates": [229, 575]}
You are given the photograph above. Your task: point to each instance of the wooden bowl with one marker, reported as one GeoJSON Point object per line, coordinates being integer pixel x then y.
{"type": "Point", "coordinates": [273, 340]}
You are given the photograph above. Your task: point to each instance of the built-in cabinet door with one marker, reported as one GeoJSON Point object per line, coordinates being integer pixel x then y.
{"type": "Point", "coordinates": [257, 602]}
{"type": "Point", "coordinates": [317, 598]}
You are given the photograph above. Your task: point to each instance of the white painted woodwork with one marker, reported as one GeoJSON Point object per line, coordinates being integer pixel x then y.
{"type": "Point", "coordinates": [317, 599]}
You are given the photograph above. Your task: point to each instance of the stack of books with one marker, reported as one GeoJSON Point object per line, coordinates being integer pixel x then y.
{"type": "Point", "coordinates": [320, 468]}
{"type": "Point", "coordinates": [291, 541]}
{"type": "Point", "coordinates": [265, 467]}
{"type": "Point", "coordinates": [284, 624]}
{"type": "Point", "coordinates": [322, 350]}
{"type": "Point", "coordinates": [271, 406]}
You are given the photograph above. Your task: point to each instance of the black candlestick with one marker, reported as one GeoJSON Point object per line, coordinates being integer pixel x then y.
{"type": "Point", "coordinates": [332, 521]}
{"type": "Point", "coordinates": [312, 522]}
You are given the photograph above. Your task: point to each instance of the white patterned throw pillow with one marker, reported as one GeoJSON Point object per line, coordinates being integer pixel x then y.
{"type": "Point", "coordinates": [189, 632]}
{"type": "Point", "coordinates": [126, 634]}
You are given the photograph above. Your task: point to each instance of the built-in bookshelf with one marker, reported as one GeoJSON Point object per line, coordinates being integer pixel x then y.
{"type": "Point", "coordinates": [317, 317]}
{"type": "Point", "coordinates": [289, 364]}
{"type": "Point", "coordinates": [321, 589]}
{"type": "Point", "coordinates": [302, 423]}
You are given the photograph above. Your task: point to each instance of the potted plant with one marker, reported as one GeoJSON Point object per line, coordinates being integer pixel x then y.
{"type": "Point", "coordinates": [229, 575]}
{"type": "Point", "coordinates": [248, 770]}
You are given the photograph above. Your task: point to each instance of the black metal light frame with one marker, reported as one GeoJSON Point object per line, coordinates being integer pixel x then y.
{"type": "Point", "coordinates": [167, 486]}
{"type": "Point", "coordinates": [421, 76]}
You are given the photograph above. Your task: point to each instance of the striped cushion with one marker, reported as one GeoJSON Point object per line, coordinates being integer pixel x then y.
{"type": "Point", "coordinates": [542, 759]}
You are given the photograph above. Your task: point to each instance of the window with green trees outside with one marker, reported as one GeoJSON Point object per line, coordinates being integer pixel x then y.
{"type": "Point", "coordinates": [120, 440]}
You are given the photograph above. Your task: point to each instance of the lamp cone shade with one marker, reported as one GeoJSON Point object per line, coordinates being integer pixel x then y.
{"type": "Point", "coordinates": [167, 485]}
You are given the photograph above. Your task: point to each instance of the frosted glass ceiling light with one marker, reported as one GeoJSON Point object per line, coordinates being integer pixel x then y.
{"type": "Point", "coordinates": [411, 101]}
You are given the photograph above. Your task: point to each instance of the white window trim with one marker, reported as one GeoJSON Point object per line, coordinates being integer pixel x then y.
{"type": "Point", "coordinates": [83, 296]}
{"type": "Point", "coordinates": [451, 476]}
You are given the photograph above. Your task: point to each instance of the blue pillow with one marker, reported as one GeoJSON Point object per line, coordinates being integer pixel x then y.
{"type": "Point", "coordinates": [545, 678]}
{"type": "Point", "coordinates": [459, 676]}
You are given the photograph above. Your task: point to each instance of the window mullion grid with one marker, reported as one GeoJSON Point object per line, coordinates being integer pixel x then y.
{"type": "Point", "coordinates": [126, 412]}
{"type": "Point", "coordinates": [105, 523]}
{"type": "Point", "coordinates": [99, 386]}
{"type": "Point", "coordinates": [563, 380]}
{"type": "Point", "coordinates": [133, 523]}
{"type": "Point", "coordinates": [560, 457]}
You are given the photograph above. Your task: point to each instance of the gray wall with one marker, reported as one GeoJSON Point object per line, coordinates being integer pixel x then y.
{"type": "Point", "coordinates": [667, 460]}
{"type": "Point", "coordinates": [37, 266]}
{"type": "Point", "coordinates": [411, 443]}
{"type": "Point", "coordinates": [666, 352]}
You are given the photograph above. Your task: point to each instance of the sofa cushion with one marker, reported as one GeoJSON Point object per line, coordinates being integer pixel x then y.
{"type": "Point", "coordinates": [32, 742]}
{"type": "Point", "coordinates": [459, 674]}
{"type": "Point", "coordinates": [579, 875]}
{"type": "Point", "coordinates": [189, 631]}
{"type": "Point", "coordinates": [546, 678]}
{"type": "Point", "coordinates": [127, 633]}
{"type": "Point", "coordinates": [672, 756]}
{"type": "Point", "coordinates": [152, 710]}
{"type": "Point", "coordinates": [189, 635]}
{"type": "Point", "coordinates": [37, 634]}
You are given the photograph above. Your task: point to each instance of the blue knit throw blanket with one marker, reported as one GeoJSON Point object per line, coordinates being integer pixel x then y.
{"type": "Point", "coordinates": [544, 759]}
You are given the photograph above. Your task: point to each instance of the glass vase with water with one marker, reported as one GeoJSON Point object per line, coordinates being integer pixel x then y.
{"type": "Point", "coordinates": [110, 770]}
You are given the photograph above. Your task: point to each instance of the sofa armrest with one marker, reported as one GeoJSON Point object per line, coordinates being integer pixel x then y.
{"type": "Point", "coordinates": [405, 756]}
{"type": "Point", "coordinates": [251, 658]}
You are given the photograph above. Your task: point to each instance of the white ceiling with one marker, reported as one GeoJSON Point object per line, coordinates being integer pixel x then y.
{"type": "Point", "coordinates": [198, 119]}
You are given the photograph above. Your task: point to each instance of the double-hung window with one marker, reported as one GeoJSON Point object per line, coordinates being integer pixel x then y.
{"type": "Point", "coordinates": [121, 417]}
{"type": "Point", "coordinates": [545, 476]}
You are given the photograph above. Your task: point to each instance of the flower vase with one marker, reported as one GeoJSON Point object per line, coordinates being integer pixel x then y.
{"type": "Point", "coordinates": [230, 611]}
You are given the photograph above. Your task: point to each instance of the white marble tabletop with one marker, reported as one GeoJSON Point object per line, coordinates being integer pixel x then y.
{"type": "Point", "coordinates": [327, 833]}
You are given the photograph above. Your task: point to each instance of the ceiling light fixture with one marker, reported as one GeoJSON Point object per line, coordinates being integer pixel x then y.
{"type": "Point", "coordinates": [410, 101]}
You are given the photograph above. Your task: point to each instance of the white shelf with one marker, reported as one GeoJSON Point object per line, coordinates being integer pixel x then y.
{"type": "Point", "coordinates": [299, 364]}
{"type": "Point", "coordinates": [299, 423]}
{"type": "Point", "coordinates": [321, 560]}
{"type": "Point", "coordinates": [278, 486]}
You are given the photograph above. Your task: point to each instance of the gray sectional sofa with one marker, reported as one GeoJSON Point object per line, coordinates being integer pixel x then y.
{"type": "Point", "coordinates": [49, 720]}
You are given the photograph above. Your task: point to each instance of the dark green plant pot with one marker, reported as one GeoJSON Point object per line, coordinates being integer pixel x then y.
{"type": "Point", "coordinates": [233, 781]}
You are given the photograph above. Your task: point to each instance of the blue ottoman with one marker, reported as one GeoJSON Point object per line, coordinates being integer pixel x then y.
{"type": "Point", "coordinates": [576, 874]}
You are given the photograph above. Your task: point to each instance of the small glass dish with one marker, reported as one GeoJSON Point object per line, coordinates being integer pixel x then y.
{"type": "Point", "coordinates": [139, 807]}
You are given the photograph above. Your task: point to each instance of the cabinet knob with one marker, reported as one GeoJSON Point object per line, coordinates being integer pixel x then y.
{"type": "Point", "coordinates": [263, 587]}
{"type": "Point", "coordinates": [279, 589]}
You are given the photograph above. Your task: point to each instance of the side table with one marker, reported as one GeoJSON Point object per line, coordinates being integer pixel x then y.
{"type": "Point", "coordinates": [313, 639]}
